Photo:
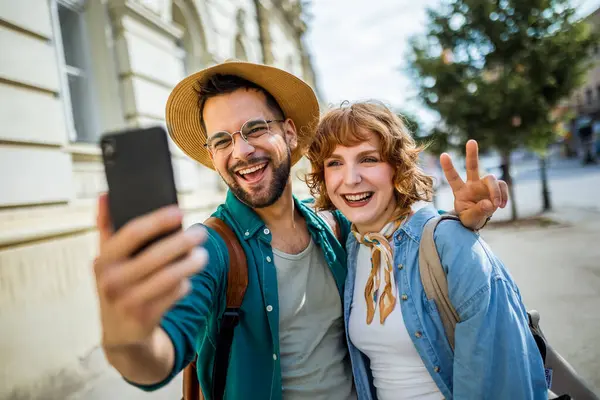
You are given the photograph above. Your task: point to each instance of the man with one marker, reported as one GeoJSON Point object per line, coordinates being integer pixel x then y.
{"type": "Point", "coordinates": [250, 123]}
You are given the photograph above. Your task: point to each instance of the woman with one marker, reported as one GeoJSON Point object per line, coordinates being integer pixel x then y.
{"type": "Point", "coordinates": [364, 163]}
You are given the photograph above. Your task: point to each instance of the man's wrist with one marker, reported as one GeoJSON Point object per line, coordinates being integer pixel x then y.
{"type": "Point", "coordinates": [147, 362]}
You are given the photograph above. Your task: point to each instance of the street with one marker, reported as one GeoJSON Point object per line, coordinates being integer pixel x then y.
{"type": "Point", "coordinates": [556, 263]}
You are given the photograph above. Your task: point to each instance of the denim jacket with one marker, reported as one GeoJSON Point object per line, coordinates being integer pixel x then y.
{"type": "Point", "coordinates": [495, 355]}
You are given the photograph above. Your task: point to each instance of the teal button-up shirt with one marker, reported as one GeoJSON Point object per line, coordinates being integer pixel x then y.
{"type": "Point", "coordinates": [254, 368]}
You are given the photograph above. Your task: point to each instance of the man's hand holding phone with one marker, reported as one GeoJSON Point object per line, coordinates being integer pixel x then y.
{"type": "Point", "coordinates": [136, 289]}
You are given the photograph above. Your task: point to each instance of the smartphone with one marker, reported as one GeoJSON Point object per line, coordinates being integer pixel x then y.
{"type": "Point", "coordinates": [139, 174]}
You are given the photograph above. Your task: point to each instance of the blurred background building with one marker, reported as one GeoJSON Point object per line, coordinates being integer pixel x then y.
{"type": "Point", "coordinates": [69, 71]}
{"type": "Point", "coordinates": [585, 102]}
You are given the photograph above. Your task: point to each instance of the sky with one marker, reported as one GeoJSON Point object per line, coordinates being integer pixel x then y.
{"type": "Point", "coordinates": [359, 48]}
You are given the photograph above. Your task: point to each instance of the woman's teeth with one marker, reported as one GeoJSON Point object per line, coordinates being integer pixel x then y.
{"type": "Point", "coordinates": [358, 197]}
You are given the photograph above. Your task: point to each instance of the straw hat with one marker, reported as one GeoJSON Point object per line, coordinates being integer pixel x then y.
{"type": "Point", "coordinates": [296, 99]}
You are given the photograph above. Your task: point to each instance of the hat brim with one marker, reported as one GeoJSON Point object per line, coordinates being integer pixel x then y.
{"type": "Point", "coordinates": [295, 97]}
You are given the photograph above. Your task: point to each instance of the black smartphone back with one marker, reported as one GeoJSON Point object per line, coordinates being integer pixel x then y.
{"type": "Point", "coordinates": [139, 173]}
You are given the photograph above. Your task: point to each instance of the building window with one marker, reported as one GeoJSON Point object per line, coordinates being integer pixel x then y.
{"type": "Point", "coordinates": [589, 96]}
{"type": "Point", "coordinates": [598, 93]}
{"type": "Point", "coordinates": [184, 44]}
{"type": "Point", "coordinates": [240, 49]}
{"type": "Point", "coordinates": [192, 45]}
{"type": "Point", "coordinates": [289, 64]}
{"type": "Point", "coordinates": [75, 69]}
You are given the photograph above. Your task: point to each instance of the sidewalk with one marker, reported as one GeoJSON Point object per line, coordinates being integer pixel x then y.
{"type": "Point", "coordinates": [557, 268]}
{"type": "Point", "coordinates": [104, 383]}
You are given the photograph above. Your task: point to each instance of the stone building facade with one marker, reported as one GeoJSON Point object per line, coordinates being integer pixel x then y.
{"type": "Point", "coordinates": [586, 99]}
{"type": "Point", "coordinates": [69, 71]}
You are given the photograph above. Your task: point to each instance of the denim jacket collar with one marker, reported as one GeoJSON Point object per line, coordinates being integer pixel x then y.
{"type": "Point", "coordinates": [414, 226]}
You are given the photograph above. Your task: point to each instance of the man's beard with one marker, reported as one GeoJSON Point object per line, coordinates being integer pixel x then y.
{"type": "Point", "coordinates": [281, 175]}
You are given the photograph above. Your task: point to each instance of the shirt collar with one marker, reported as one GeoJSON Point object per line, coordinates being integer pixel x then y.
{"type": "Point", "coordinates": [250, 222]}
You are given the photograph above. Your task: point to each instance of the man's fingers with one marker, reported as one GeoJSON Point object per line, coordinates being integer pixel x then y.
{"type": "Point", "coordinates": [159, 255]}
{"type": "Point", "coordinates": [450, 173]}
{"type": "Point", "coordinates": [160, 284]}
{"type": "Point", "coordinates": [494, 189]}
{"type": "Point", "coordinates": [503, 193]}
{"type": "Point", "coordinates": [103, 222]}
{"type": "Point", "coordinates": [140, 231]}
{"type": "Point", "coordinates": [472, 160]}
{"type": "Point", "coordinates": [156, 309]}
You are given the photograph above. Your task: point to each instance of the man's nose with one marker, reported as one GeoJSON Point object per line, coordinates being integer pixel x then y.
{"type": "Point", "coordinates": [241, 148]}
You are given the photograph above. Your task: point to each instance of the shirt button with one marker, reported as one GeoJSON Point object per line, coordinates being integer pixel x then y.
{"type": "Point", "coordinates": [268, 259]}
{"type": "Point", "coordinates": [269, 308]}
{"type": "Point", "coordinates": [404, 297]}
{"type": "Point", "coordinates": [436, 368]}
{"type": "Point", "coordinates": [266, 231]}
{"type": "Point", "coordinates": [418, 334]}
{"type": "Point", "coordinates": [400, 266]}
{"type": "Point", "coordinates": [275, 357]}
{"type": "Point", "coordinates": [247, 233]}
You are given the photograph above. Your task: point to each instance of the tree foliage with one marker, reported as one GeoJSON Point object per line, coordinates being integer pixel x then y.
{"type": "Point", "coordinates": [495, 70]}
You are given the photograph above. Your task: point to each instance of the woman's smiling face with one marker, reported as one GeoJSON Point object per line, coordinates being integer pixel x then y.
{"type": "Point", "coordinates": [360, 183]}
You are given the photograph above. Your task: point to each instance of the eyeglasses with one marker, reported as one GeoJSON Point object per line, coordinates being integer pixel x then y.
{"type": "Point", "coordinates": [221, 143]}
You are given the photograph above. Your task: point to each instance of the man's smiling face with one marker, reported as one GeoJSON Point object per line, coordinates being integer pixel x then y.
{"type": "Point", "coordinates": [257, 172]}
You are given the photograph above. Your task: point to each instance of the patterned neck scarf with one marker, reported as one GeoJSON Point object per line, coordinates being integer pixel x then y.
{"type": "Point", "coordinates": [381, 255]}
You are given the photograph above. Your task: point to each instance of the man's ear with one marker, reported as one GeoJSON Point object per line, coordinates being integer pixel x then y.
{"type": "Point", "coordinates": [210, 154]}
{"type": "Point", "coordinates": [291, 135]}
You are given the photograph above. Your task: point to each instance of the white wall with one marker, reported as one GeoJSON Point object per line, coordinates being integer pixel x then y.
{"type": "Point", "coordinates": [48, 311]}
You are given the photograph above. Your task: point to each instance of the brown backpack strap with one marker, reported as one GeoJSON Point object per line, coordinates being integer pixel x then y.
{"type": "Point", "coordinates": [191, 385]}
{"type": "Point", "coordinates": [330, 219]}
{"type": "Point", "coordinates": [237, 282]}
{"type": "Point", "coordinates": [237, 279]}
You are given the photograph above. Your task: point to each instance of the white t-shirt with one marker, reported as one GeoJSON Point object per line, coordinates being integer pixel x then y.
{"type": "Point", "coordinates": [314, 357]}
{"type": "Point", "coordinates": [398, 371]}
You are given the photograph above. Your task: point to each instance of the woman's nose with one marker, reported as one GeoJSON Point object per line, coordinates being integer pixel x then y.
{"type": "Point", "coordinates": [352, 175]}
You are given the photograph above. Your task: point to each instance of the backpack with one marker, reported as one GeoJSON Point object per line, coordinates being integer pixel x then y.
{"type": "Point", "coordinates": [563, 378]}
{"type": "Point", "coordinates": [237, 282]}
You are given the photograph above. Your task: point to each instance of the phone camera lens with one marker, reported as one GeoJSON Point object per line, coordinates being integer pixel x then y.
{"type": "Point", "coordinates": [109, 149]}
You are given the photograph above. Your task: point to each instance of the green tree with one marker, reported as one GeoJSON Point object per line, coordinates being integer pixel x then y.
{"type": "Point", "coordinates": [495, 70]}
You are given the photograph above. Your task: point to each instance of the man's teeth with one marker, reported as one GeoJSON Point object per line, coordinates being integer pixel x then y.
{"type": "Point", "coordinates": [358, 197]}
{"type": "Point", "coordinates": [251, 169]}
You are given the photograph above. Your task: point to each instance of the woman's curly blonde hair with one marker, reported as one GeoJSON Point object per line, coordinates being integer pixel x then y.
{"type": "Point", "coordinates": [349, 125]}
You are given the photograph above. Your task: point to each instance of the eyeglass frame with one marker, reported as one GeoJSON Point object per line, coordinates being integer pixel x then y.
{"type": "Point", "coordinates": [268, 121]}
